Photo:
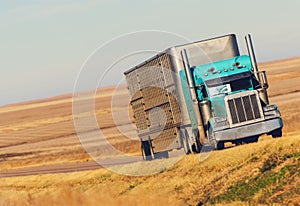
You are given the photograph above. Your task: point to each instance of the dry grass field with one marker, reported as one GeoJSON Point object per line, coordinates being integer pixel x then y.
{"type": "Point", "coordinates": [266, 172]}
{"type": "Point", "coordinates": [42, 132]}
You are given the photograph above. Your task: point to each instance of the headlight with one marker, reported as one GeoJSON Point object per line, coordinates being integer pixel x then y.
{"type": "Point", "coordinates": [220, 123]}
{"type": "Point", "coordinates": [270, 108]}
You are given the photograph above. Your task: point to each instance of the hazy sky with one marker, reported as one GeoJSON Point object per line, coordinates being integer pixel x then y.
{"type": "Point", "coordinates": [44, 44]}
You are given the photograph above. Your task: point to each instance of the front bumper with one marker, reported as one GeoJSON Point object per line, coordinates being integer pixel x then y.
{"type": "Point", "coordinates": [254, 129]}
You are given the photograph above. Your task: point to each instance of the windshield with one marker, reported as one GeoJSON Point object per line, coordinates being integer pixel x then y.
{"type": "Point", "coordinates": [223, 85]}
{"type": "Point", "coordinates": [241, 84]}
{"type": "Point", "coordinates": [221, 89]}
{"type": "Point", "coordinates": [236, 85]}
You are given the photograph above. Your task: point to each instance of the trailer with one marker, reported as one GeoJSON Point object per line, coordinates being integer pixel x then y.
{"type": "Point", "coordinates": [201, 93]}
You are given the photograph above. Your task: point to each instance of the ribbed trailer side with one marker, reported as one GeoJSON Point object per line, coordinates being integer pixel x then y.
{"type": "Point", "coordinates": [154, 103]}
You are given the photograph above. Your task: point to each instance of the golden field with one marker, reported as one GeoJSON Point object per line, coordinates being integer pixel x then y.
{"type": "Point", "coordinates": [42, 132]}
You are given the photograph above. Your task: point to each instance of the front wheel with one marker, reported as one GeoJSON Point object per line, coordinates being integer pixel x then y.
{"type": "Point", "coordinates": [217, 145]}
{"type": "Point", "coordinates": [277, 133]}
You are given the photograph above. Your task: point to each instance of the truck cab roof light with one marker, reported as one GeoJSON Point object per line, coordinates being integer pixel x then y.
{"type": "Point", "coordinates": [211, 70]}
{"type": "Point", "coordinates": [241, 66]}
{"type": "Point", "coordinates": [237, 64]}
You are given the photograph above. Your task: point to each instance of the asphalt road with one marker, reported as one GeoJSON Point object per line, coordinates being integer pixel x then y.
{"type": "Point", "coordinates": [65, 168]}
{"type": "Point", "coordinates": [51, 169]}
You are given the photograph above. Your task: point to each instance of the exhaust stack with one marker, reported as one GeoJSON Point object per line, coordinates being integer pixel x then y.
{"type": "Point", "coordinates": [260, 76]}
{"type": "Point", "coordinates": [252, 56]}
{"type": "Point", "coordinates": [191, 85]}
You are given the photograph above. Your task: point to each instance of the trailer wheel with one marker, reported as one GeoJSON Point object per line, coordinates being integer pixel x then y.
{"type": "Point", "coordinates": [217, 145]}
{"type": "Point", "coordinates": [146, 150]}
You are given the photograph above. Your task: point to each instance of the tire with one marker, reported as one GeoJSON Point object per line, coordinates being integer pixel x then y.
{"type": "Point", "coordinates": [186, 142]}
{"type": "Point", "coordinates": [196, 148]}
{"type": "Point", "coordinates": [277, 133]}
{"type": "Point", "coordinates": [146, 150]}
{"type": "Point", "coordinates": [217, 145]}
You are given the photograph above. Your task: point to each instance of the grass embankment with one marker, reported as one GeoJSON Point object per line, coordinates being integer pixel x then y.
{"type": "Point", "coordinates": [261, 173]}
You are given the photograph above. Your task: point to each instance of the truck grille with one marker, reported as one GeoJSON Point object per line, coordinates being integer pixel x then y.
{"type": "Point", "coordinates": [244, 108]}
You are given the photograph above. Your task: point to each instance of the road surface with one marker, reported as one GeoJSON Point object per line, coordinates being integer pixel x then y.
{"type": "Point", "coordinates": [68, 167]}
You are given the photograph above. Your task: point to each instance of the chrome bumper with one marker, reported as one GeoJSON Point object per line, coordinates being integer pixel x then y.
{"type": "Point", "coordinates": [257, 128]}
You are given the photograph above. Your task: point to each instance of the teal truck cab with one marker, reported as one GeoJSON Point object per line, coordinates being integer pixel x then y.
{"type": "Point", "coordinates": [233, 101]}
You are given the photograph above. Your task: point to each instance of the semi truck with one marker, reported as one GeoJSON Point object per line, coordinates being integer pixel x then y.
{"type": "Point", "coordinates": [198, 94]}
